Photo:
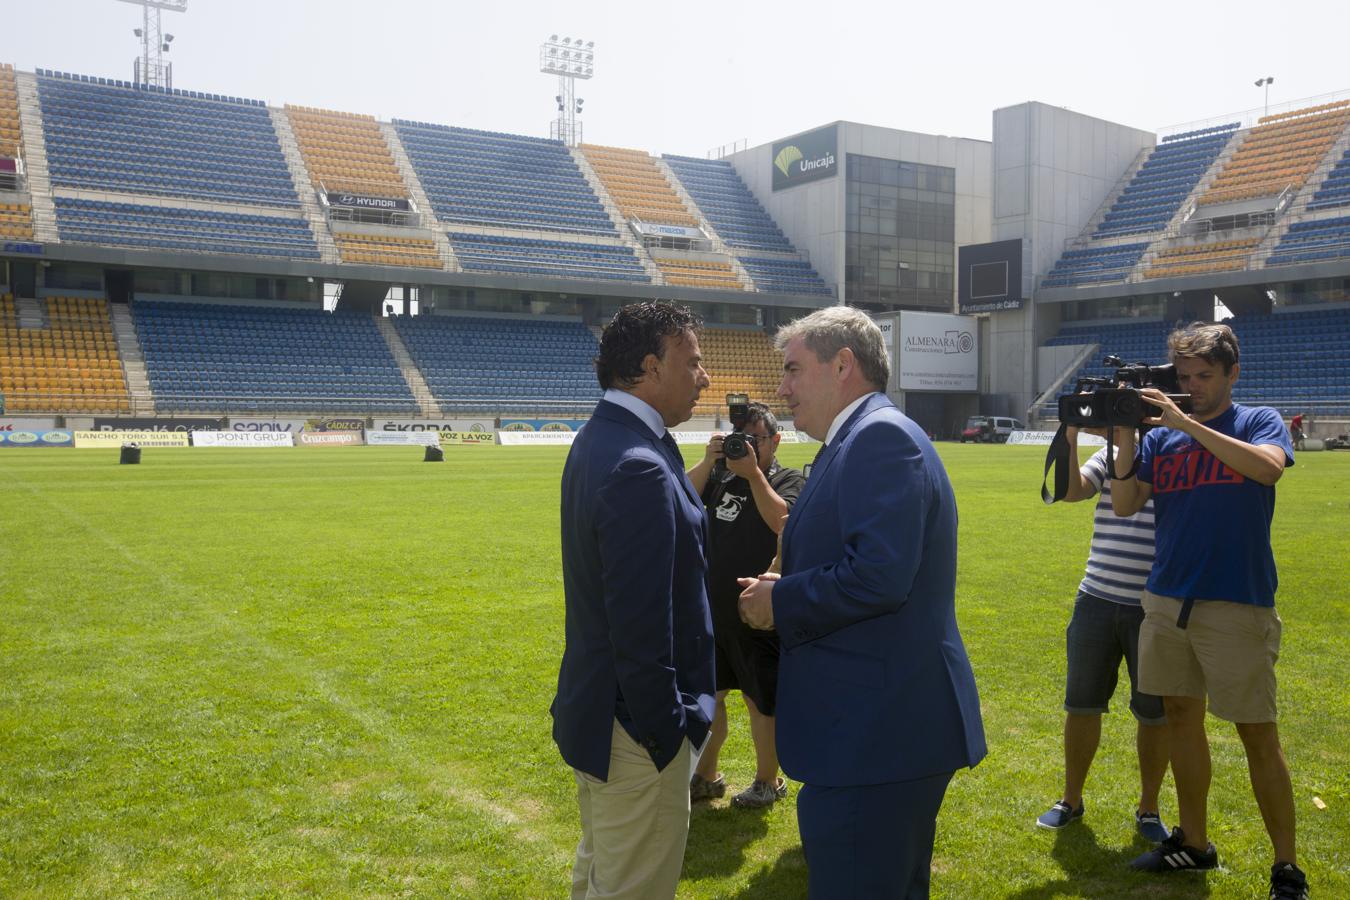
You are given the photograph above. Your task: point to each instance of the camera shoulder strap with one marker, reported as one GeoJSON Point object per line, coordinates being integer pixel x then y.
{"type": "Point", "coordinates": [1111, 455]}
{"type": "Point", "coordinates": [1057, 455]}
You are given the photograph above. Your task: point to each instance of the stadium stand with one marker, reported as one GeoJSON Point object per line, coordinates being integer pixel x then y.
{"type": "Point", "coordinates": [69, 366]}
{"type": "Point", "coordinates": [1293, 361]}
{"type": "Point", "coordinates": [1280, 152]}
{"type": "Point", "coordinates": [9, 114]}
{"type": "Point", "coordinates": [1193, 259]}
{"type": "Point", "coordinates": [345, 152]}
{"type": "Point", "coordinates": [740, 361]}
{"type": "Point", "coordinates": [1164, 181]}
{"type": "Point", "coordinates": [223, 358]}
{"type": "Point", "coordinates": [387, 250]}
{"type": "Point", "coordinates": [698, 273]}
{"type": "Point", "coordinates": [177, 228]}
{"type": "Point", "coordinates": [1094, 265]}
{"type": "Point", "coordinates": [554, 259]}
{"type": "Point", "coordinates": [475, 364]}
{"type": "Point", "coordinates": [109, 135]}
{"type": "Point", "coordinates": [728, 205]}
{"type": "Point", "coordinates": [16, 221]}
{"type": "Point", "coordinates": [638, 187]}
{"type": "Point", "coordinates": [1313, 241]}
{"type": "Point", "coordinates": [1335, 188]}
{"type": "Point", "coordinates": [502, 180]}
{"type": "Point", "coordinates": [788, 276]}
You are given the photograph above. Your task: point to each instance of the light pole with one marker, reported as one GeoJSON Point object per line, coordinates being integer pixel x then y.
{"type": "Point", "coordinates": [1266, 82]}
{"type": "Point", "coordinates": [150, 67]}
{"type": "Point", "coordinates": [569, 59]}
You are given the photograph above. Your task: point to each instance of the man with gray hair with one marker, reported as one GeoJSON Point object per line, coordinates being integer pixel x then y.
{"type": "Point", "coordinates": [877, 706]}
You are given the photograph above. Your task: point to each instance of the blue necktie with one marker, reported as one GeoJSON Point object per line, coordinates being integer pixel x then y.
{"type": "Point", "coordinates": [673, 447]}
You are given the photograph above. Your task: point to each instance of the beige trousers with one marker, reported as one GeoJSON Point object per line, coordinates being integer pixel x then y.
{"type": "Point", "coordinates": [633, 826]}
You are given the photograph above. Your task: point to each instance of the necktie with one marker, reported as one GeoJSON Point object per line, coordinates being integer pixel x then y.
{"type": "Point", "coordinates": [673, 447]}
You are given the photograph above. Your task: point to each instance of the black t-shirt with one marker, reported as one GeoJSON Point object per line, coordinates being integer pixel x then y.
{"type": "Point", "coordinates": [740, 542]}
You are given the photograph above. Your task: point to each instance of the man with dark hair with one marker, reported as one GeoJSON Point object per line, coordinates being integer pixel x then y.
{"type": "Point", "coordinates": [746, 503]}
{"type": "Point", "coordinates": [1103, 630]}
{"type": "Point", "coordinates": [1210, 628]}
{"type": "Point", "coordinates": [877, 706]}
{"type": "Point", "coordinates": [636, 684]}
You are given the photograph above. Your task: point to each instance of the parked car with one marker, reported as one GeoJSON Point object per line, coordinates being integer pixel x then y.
{"type": "Point", "coordinates": [990, 429]}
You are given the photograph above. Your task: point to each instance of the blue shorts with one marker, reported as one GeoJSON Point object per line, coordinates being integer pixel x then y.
{"type": "Point", "coordinates": [1099, 635]}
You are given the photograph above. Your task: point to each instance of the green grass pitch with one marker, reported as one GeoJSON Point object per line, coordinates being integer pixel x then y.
{"type": "Point", "coordinates": [326, 673]}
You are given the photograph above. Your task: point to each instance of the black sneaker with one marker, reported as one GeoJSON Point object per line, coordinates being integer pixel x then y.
{"type": "Point", "coordinates": [1172, 855]}
{"type": "Point", "coordinates": [1059, 815]}
{"type": "Point", "coordinates": [1287, 882]}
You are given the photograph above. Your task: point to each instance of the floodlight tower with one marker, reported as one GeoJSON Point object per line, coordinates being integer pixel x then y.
{"type": "Point", "coordinates": [150, 67]}
{"type": "Point", "coordinates": [569, 59]}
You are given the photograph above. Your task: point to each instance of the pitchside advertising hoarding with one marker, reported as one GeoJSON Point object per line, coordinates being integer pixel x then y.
{"type": "Point", "coordinates": [932, 351]}
{"type": "Point", "coordinates": [433, 425]}
{"type": "Point", "coordinates": [805, 158]}
{"type": "Point", "coordinates": [542, 424]}
{"type": "Point", "coordinates": [125, 424]}
{"type": "Point", "coordinates": [989, 277]}
{"type": "Point", "coordinates": [242, 439]}
{"type": "Point", "coordinates": [57, 437]}
{"type": "Point", "coordinates": [85, 439]}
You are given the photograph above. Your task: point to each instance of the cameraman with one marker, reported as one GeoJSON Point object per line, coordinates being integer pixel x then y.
{"type": "Point", "coordinates": [1210, 627]}
{"type": "Point", "coordinates": [746, 505]}
{"type": "Point", "coordinates": [1103, 630]}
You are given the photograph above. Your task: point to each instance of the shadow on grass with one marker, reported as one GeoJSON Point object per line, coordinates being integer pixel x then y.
{"type": "Point", "coordinates": [784, 880]}
{"type": "Point", "coordinates": [1091, 870]}
{"type": "Point", "coordinates": [718, 836]}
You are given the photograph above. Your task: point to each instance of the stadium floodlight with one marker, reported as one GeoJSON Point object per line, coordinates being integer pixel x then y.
{"type": "Point", "coordinates": [149, 68]}
{"type": "Point", "coordinates": [1266, 82]}
{"type": "Point", "coordinates": [566, 59]}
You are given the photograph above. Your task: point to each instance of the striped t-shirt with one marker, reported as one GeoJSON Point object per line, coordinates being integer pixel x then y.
{"type": "Point", "coordinates": [1121, 555]}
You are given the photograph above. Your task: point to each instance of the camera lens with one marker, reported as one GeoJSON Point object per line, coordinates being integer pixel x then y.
{"type": "Point", "coordinates": [734, 446]}
{"type": "Point", "coordinates": [1128, 409]}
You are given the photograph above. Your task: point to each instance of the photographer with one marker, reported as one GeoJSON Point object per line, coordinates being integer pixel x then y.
{"type": "Point", "coordinates": [1210, 628]}
{"type": "Point", "coordinates": [1103, 630]}
{"type": "Point", "coordinates": [746, 503]}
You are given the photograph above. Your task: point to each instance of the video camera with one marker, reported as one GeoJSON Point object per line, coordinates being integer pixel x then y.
{"type": "Point", "coordinates": [1116, 401]}
{"type": "Point", "coordinates": [738, 443]}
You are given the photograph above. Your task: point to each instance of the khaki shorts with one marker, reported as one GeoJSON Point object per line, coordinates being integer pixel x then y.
{"type": "Point", "coordinates": [1226, 652]}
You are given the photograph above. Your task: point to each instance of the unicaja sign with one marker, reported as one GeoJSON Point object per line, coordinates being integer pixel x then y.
{"type": "Point", "coordinates": [805, 158]}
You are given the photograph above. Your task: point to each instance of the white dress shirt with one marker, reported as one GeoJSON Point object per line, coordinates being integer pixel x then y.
{"type": "Point", "coordinates": [640, 408]}
{"type": "Point", "coordinates": [844, 413]}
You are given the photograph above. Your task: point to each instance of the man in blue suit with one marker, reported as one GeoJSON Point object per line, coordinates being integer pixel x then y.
{"type": "Point", "coordinates": [877, 705]}
{"type": "Point", "coordinates": [636, 687]}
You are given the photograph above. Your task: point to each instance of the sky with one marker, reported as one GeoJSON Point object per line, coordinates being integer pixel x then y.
{"type": "Point", "coordinates": [690, 76]}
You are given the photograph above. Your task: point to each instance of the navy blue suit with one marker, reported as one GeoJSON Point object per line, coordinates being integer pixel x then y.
{"type": "Point", "coordinates": [639, 633]}
{"type": "Point", "coordinates": [874, 684]}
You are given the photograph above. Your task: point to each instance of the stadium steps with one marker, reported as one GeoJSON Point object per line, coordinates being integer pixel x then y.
{"type": "Point", "coordinates": [304, 187]}
{"type": "Point", "coordinates": [612, 209]}
{"type": "Point", "coordinates": [419, 196]}
{"type": "Point", "coordinates": [1189, 205]}
{"type": "Point", "coordinates": [35, 159]}
{"type": "Point", "coordinates": [416, 383]}
{"type": "Point", "coordinates": [1114, 194]}
{"type": "Point", "coordinates": [133, 362]}
{"type": "Point", "coordinates": [30, 313]}
{"type": "Point", "coordinates": [719, 245]}
{"type": "Point", "coordinates": [1298, 207]}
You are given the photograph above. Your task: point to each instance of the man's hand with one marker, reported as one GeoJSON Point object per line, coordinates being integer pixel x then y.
{"type": "Point", "coordinates": [713, 452]}
{"type": "Point", "coordinates": [1172, 416]}
{"type": "Point", "coordinates": [756, 603]}
{"type": "Point", "coordinates": [747, 466]}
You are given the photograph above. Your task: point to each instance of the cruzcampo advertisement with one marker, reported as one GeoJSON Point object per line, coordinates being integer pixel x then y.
{"type": "Point", "coordinates": [806, 157]}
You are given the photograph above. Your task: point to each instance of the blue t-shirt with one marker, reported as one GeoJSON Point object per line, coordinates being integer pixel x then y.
{"type": "Point", "coordinates": [1213, 525]}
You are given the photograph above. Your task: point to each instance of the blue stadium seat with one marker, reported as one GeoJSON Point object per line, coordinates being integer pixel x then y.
{"type": "Point", "coordinates": [147, 227]}
{"type": "Point", "coordinates": [213, 357]}
{"type": "Point", "coordinates": [554, 259]}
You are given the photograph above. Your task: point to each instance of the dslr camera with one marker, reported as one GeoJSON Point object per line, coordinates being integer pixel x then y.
{"type": "Point", "coordinates": [738, 443]}
{"type": "Point", "coordinates": [1116, 401]}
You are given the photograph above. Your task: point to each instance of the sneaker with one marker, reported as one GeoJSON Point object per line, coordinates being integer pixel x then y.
{"type": "Point", "coordinates": [1172, 855]}
{"type": "Point", "coordinates": [1059, 815]}
{"type": "Point", "coordinates": [1150, 827]}
{"type": "Point", "coordinates": [1287, 882]}
{"type": "Point", "coordinates": [701, 788]}
{"type": "Point", "coordinates": [761, 794]}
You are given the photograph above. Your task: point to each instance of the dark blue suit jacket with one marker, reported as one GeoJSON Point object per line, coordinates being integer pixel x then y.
{"type": "Point", "coordinates": [639, 633]}
{"type": "Point", "coordinates": [874, 685]}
